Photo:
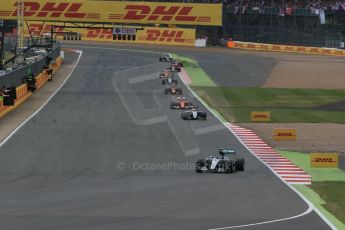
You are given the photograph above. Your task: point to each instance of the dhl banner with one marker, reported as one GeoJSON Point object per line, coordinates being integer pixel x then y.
{"type": "Point", "coordinates": [260, 116]}
{"type": "Point", "coordinates": [149, 35]}
{"type": "Point", "coordinates": [324, 160]}
{"type": "Point", "coordinates": [286, 48]}
{"type": "Point", "coordinates": [115, 12]}
{"type": "Point", "coordinates": [284, 134]}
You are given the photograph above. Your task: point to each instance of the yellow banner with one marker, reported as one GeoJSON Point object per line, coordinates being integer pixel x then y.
{"type": "Point", "coordinates": [284, 134]}
{"type": "Point", "coordinates": [286, 48]}
{"type": "Point", "coordinates": [149, 35]}
{"type": "Point", "coordinates": [324, 160]}
{"type": "Point", "coordinates": [260, 116]}
{"type": "Point", "coordinates": [115, 12]}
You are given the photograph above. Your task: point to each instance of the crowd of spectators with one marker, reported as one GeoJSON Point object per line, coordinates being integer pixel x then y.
{"type": "Point", "coordinates": [285, 6]}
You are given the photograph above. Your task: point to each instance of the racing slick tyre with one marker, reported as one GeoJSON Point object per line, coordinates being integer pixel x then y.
{"type": "Point", "coordinates": [173, 105]}
{"type": "Point", "coordinates": [166, 91]}
{"type": "Point", "coordinates": [240, 164]}
{"type": "Point", "coordinates": [199, 164]}
{"type": "Point", "coordinates": [229, 167]}
{"type": "Point", "coordinates": [164, 82]}
{"type": "Point", "coordinates": [184, 116]}
{"type": "Point", "coordinates": [202, 116]}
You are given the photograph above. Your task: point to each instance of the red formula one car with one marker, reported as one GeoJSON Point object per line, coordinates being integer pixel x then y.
{"type": "Point", "coordinates": [177, 63]}
{"type": "Point", "coordinates": [181, 103]}
{"type": "Point", "coordinates": [166, 74]}
{"type": "Point", "coordinates": [173, 90]}
{"type": "Point", "coordinates": [174, 68]}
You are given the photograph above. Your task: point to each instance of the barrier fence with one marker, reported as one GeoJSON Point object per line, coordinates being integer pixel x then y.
{"type": "Point", "coordinates": [146, 35]}
{"type": "Point", "coordinates": [22, 90]}
{"type": "Point", "coordinates": [285, 48]}
{"type": "Point", "coordinates": [17, 77]}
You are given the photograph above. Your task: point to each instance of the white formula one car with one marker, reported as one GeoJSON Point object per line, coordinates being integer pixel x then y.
{"type": "Point", "coordinates": [193, 114]}
{"type": "Point", "coordinates": [225, 162]}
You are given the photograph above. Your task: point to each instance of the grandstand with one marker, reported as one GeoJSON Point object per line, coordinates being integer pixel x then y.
{"type": "Point", "coordinates": [298, 22]}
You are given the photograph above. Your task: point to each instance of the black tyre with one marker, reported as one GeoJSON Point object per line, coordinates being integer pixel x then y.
{"type": "Point", "coordinates": [199, 164]}
{"type": "Point", "coordinates": [173, 105]}
{"type": "Point", "coordinates": [240, 162]}
{"type": "Point", "coordinates": [204, 116]}
{"type": "Point", "coordinates": [166, 91]}
{"type": "Point", "coordinates": [183, 116]}
{"type": "Point", "coordinates": [229, 167]}
{"type": "Point", "coordinates": [163, 82]}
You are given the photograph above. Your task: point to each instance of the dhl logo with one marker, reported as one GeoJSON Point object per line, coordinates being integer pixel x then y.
{"type": "Point", "coordinates": [99, 33]}
{"type": "Point", "coordinates": [301, 49]}
{"type": "Point", "coordinates": [133, 12]}
{"type": "Point", "coordinates": [165, 36]}
{"type": "Point", "coordinates": [51, 9]}
{"type": "Point", "coordinates": [264, 47]}
{"type": "Point", "coordinates": [314, 50]}
{"type": "Point", "coordinates": [288, 48]}
{"type": "Point", "coordinates": [251, 46]}
{"type": "Point", "coordinates": [163, 13]}
{"type": "Point", "coordinates": [261, 116]}
{"type": "Point", "coordinates": [324, 159]}
{"type": "Point", "coordinates": [36, 29]}
{"type": "Point", "coordinates": [285, 135]}
{"type": "Point", "coordinates": [275, 47]}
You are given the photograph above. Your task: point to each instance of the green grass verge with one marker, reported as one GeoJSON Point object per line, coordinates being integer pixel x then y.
{"type": "Point", "coordinates": [196, 74]}
{"type": "Point", "coordinates": [334, 193]}
{"type": "Point", "coordinates": [285, 105]}
{"type": "Point", "coordinates": [318, 174]}
{"type": "Point", "coordinates": [327, 191]}
{"type": "Point", "coordinates": [320, 204]}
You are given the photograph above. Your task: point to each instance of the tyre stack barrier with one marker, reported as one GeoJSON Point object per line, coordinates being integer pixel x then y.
{"type": "Point", "coordinates": [72, 36]}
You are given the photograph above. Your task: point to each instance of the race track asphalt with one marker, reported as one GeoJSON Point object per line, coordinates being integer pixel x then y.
{"type": "Point", "coordinates": [107, 153]}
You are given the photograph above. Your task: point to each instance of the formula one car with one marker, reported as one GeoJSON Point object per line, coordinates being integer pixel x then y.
{"type": "Point", "coordinates": [226, 162]}
{"type": "Point", "coordinates": [193, 114]}
{"type": "Point", "coordinates": [177, 63]}
{"type": "Point", "coordinates": [166, 58]}
{"type": "Point", "coordinates": [173, 90]}
{"type": "Point", "coordinates": [181, 103]}
{"type": "Point", "coordinates": [169, 80]}
{"type": "Point", "coordinates": [174, 69]}
{"type": "Point", "coordinates": [166, 73]}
